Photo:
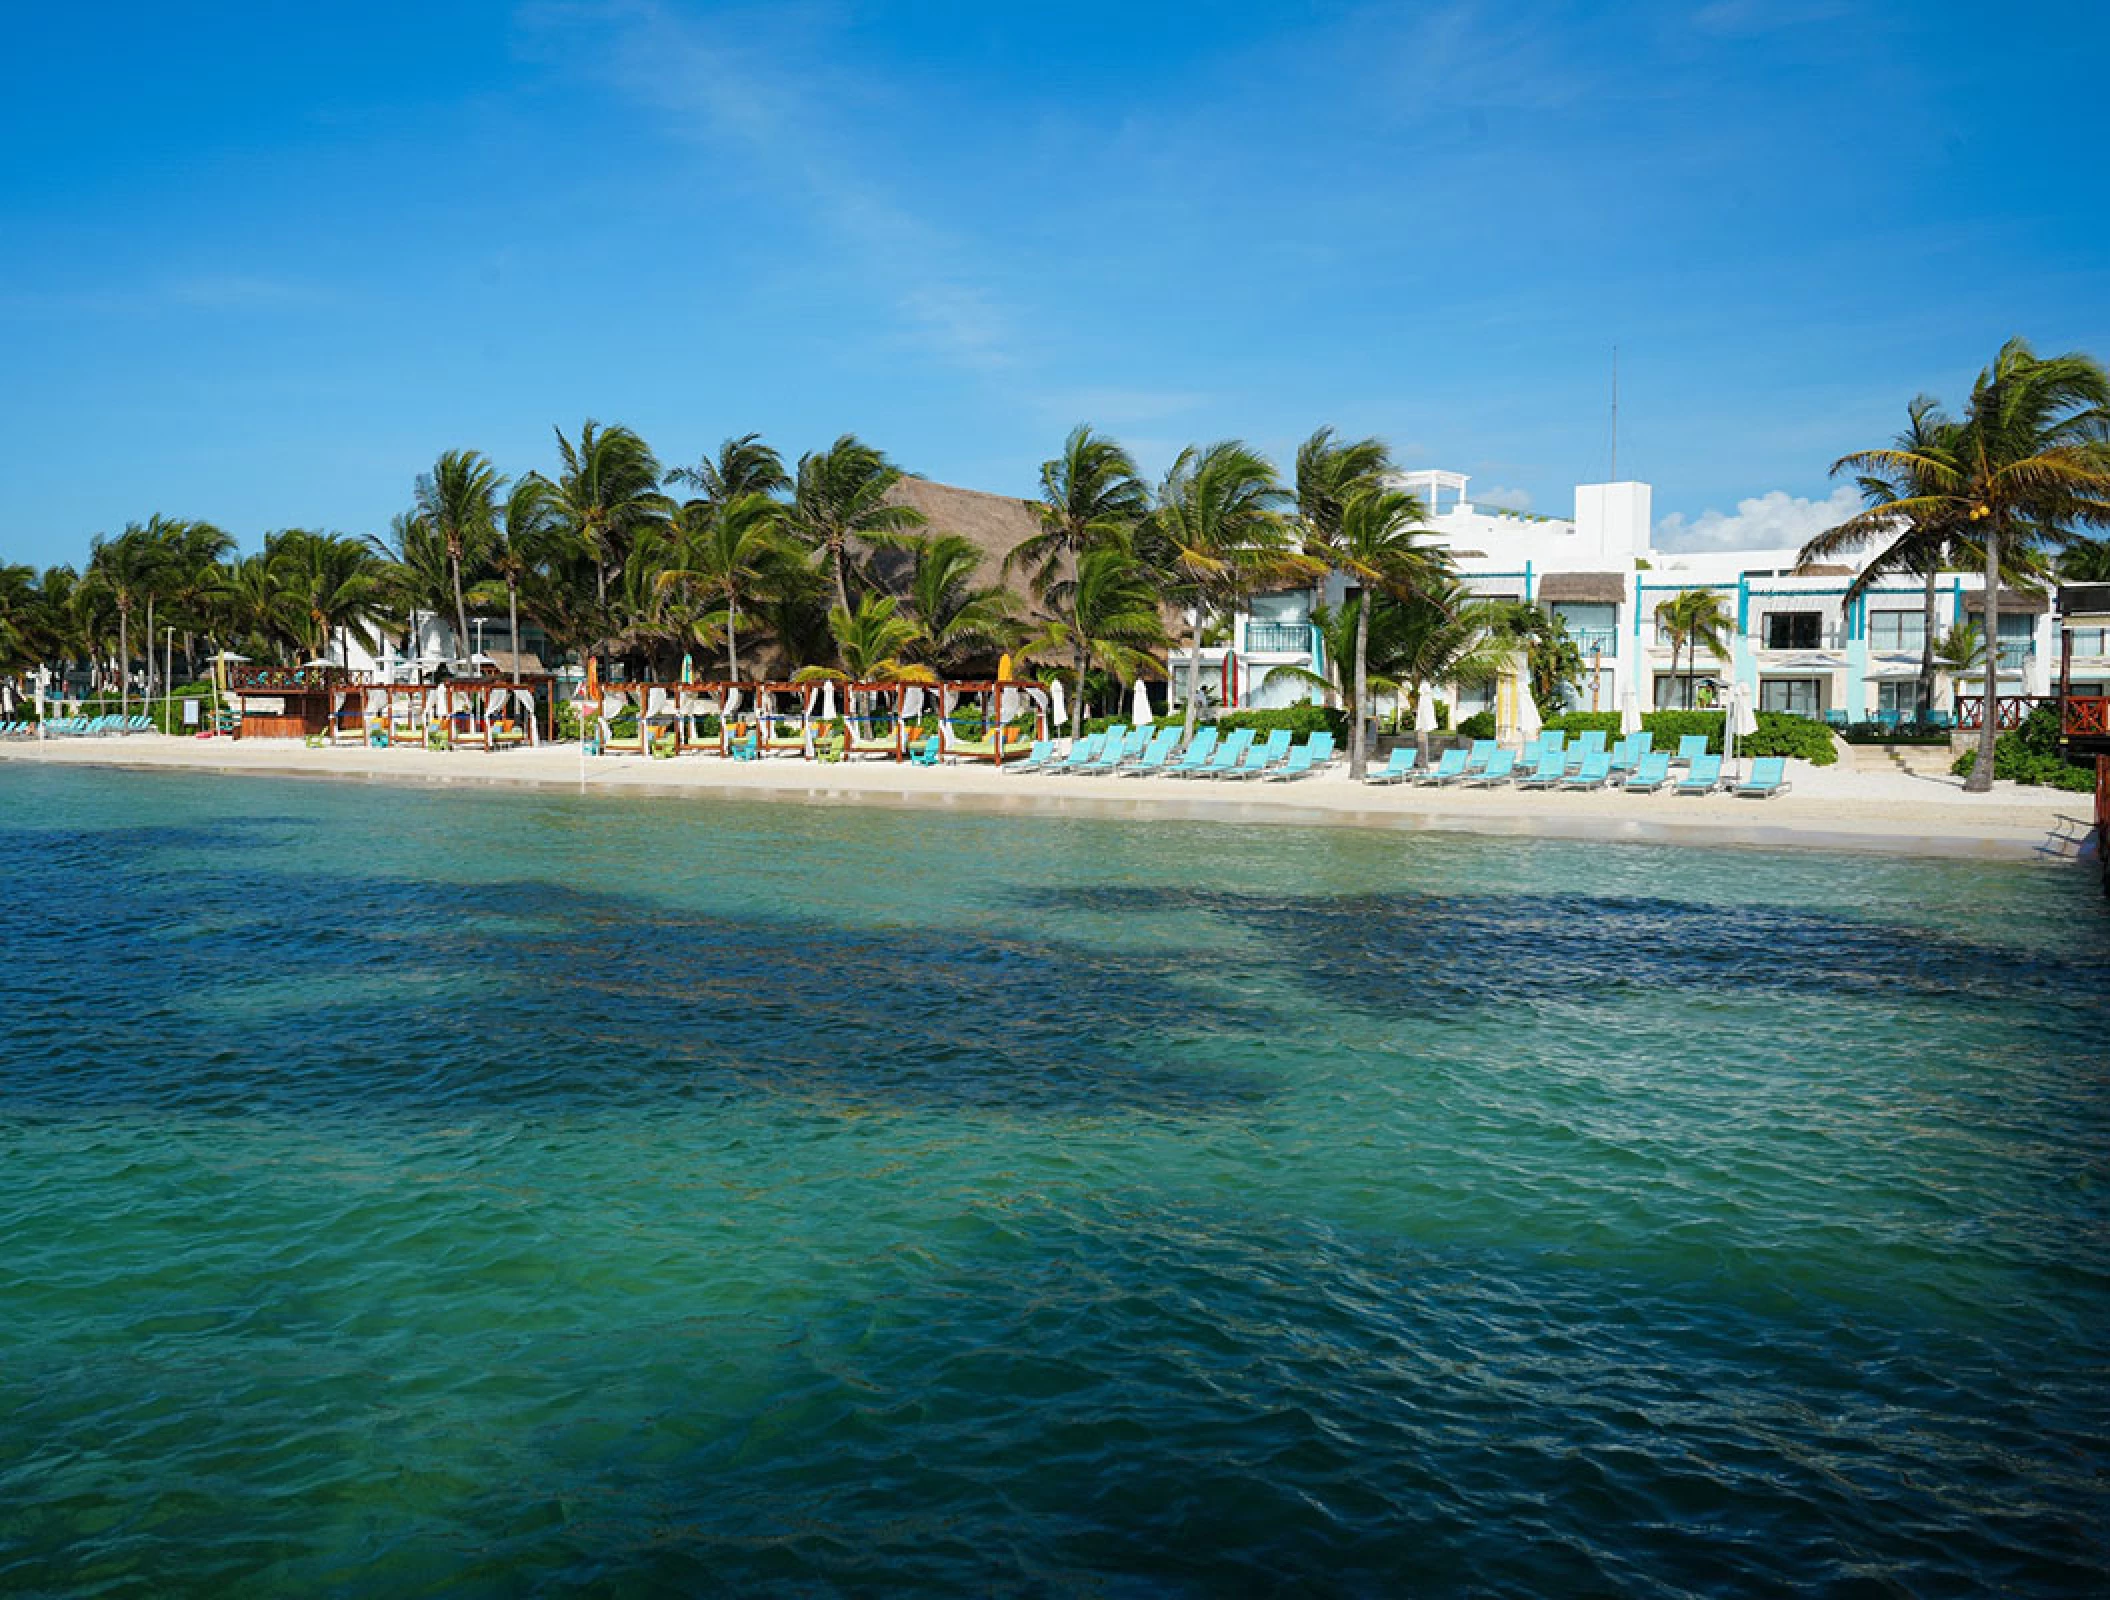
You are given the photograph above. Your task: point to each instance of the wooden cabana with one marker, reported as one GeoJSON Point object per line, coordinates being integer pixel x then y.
{"type": "Point", "coordinates": [1002, 702]}
{"type": "Point", "coordinates": [489, 713]}
{"type": "Point", "coordinates": [286, 702]}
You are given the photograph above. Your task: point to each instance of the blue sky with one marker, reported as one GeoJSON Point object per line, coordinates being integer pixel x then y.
{"type": "Point", "coordinates": [262, 265]}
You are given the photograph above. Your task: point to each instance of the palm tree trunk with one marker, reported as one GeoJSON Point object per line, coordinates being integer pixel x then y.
{"type": "Point", "coordinates": [1926, 685]}
{"type": "Point", "coordinates": [1357, 757]}
{"type": "Point", "coordinates": [1981, 778]}
{"type": "Point", "coordinates": [1077, 701]}
{"type": "Point", "coordinates": [124, 662]}
{"type": "Point", "coordinates": [1194, 675]}
{"type": "Point", "coordinates": [150, 650]}
{"type": "Point", "coordinates": [461, 607]}
{"type": "Point", "coordinates": [732, 637]}
{"type": "Point", "coordinates": [1077, 634]}
{"type": "Point", "coordinates": [513, 619]}
{"type": "Point", "coordinates": [842, 584]}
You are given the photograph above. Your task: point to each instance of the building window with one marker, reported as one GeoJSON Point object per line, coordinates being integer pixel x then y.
{"type": "Point", "coordinates": [1897, 630]}
{"type": "Point", "coordinates": [1681, 693]}
{"type": "Point", "coordinates": [2018, 639]}
{"type": "Point", "coordinates": [1800, 697]}
{"type": "Point", "coordinates": [1279, 623]}
{"type": "Point", "coordinates": [1794, 630]}
{"type": "Point", "coordinates": [1898, 700]}
{"type": "Point", "coordinates": [2090, 642]}
{"type": "Point", "coordinates": [1593, 626]}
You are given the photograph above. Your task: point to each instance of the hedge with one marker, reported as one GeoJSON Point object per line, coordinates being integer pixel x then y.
{"type": "Point", "coordinates": [1778, 733]}
{"type": "Point", "coordinates": [1895, 733]}
{"type": "Point", "coordinates": [2030, 754]}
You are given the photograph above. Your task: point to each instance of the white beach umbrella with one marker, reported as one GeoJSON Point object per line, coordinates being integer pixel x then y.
{"type": "Point", "coordinates": [1061, 712]}
{"type": "Point", "coordinates": [1529, 723]}
{"type": "Point", "coordinates": [827, 700]}
{"type": "Point", "coordinates": [1739, 721]}
{"type": "Point", "coordinates": [1425, 709]}
{"type": "Point", "coordinates": [1143, 716]}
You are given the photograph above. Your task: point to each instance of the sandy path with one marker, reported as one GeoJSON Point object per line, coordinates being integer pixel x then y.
{"type": "Point", "coordinates": [1842, 807]}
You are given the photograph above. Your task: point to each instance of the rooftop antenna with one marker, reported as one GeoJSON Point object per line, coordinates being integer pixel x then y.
{"type": "Point", "coordinates": [1615, 413]}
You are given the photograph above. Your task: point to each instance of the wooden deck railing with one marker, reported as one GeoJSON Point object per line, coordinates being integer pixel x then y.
{"type": "Point", "coordinates": [2010, 709]}
{"type": "Point", "coordinates": [2087, 717]}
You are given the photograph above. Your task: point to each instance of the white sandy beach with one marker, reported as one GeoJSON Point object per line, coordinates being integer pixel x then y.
{"type": "Point", "coordinates": [1867, 805]}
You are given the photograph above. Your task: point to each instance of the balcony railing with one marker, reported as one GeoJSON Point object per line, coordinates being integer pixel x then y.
{"type": "Point", "coordinates": [1280, 638]}
{"type": "Point", "coordinates": [1596, 641]}
{"type": "Point", "coordinates": [246, 676]}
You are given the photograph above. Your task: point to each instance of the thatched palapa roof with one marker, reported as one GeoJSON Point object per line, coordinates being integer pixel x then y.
{"type": "Point", "coordinates": [1583, 588]}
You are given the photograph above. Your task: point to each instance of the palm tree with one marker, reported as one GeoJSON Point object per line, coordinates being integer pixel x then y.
{"type": "Point", "coordinates": [1374, 543]}
{"type": "Point", "coordinates": [334, 588]}
{"type": "Point", "coordinates": [1217, 534]}
{"type": "Point", "coordinates": [840, 497]}
{"type": "Point", "coordinates": [1923, 543]}
{"type": "Point", "coordinates": [1330, 473]}
{"type": "Point", "coordinates": [1091, 497]}
{"type": "Point", "coordinates": [126, 569]}
{"type": "Point", "coordinates": [192, 577]}
{"type": "Point", "coordinates": [2027, 465]}
{"type": "Point", "coordinates": [2086, 561]}
{"type": "Point", "coordinates": [255, 607]}
{"type": "Point", "coordinates": [18, 619]}
{"type": "Point", "coordinates": [1692, 618]}
{"type": "Point", "coordinates": [606, 496]}
{"type": "Point", "coordinates": [523, 539]}
{"type": "Point", "coordinates": [871, 641]}
{"type": "Point", "coordinates": [726, 552]}
{"type": "Point", "coordinates": [1115, 620]}
{"type": "Point", "coordinates": [1961, 650]}
{"type": "Point", "coordinates": [458, 500]}
{"type": "Point", "coordinates": [955, 618]}
{"type": "Point", "coordinates": [742, 467]}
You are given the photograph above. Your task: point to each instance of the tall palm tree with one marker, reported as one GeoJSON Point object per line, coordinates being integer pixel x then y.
{"type": "Point", "coordinates": [1115, 621]}
{"type": "Point", "coordinates": [1091, 497]}
{"type": "Point", "coordinates": [742, 467]}
{"type": "Point", "coordinates": [606, 496]}
{"type": "Point", "coordinates": [334, 586]}
{"type": "Point", "coordinates": [458, 500]}
{"type": "Point", "coordinates": [840, 499]}
{"type": "Point", "coordinates": [872, 641]}
{"type": "Point", "coordinates": [191, 579]}
{"type": "Point", "coordinates": [727, 552]}
{"type": "Point", "coordinates": [126, 569]}
{"type": "Point", "coordinates": [1923, 543]}
{"type": "Point", "coordinates": [1692, 618]}
{"type": "Point", "coordinates": [1375, 543]}
{"type": "Point", "coordinates": [18, 618]}
{"type": "Point", "coordinates": [1216, 535]}
{"type": "Point", "coordinates": [1332, 471]}
{"type": "Point", "coordinates": [2028, 464]}
{"type": "Point", "coordinates": [254, 606]}
{"type": "Point", "coordinates": [956, 619]}
{"type": "Point", "coordinates": [524, 538]}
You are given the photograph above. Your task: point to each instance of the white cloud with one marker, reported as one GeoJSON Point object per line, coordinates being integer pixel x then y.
{"type": "Point", "coordinates": [1772, 521]}
{"type": "Point", "coordinates": [1503, 499]}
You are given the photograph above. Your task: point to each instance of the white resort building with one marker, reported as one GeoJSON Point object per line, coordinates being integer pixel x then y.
{"type": "Point", "coordinates": [1796, 645]}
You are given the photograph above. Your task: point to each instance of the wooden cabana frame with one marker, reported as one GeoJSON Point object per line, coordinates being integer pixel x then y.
{"type": "Point", "coordinates": [1001, 742]}
{"type": "Point", "coordinates": [285, 702]}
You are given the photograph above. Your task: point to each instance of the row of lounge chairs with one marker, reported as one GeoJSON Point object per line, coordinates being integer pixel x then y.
{"type": "Point", "coordinates": [1123, 752]}
{"type": "Point", "coordinates": [80, 727]}
{"type": "Point", "coordinates": [1549, 763]}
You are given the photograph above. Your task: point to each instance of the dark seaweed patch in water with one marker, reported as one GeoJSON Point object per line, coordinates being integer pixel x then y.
{"type": "Point", "coordinates": [1452, 954]}
{"type": "Point", "coordinates": [265, 991]}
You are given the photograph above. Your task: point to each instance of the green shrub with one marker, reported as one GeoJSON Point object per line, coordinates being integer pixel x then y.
{"type": "Point", "coordinates": [1778, 733]}
{"type": "Point", "coordinates": [1480, 725]}
{"type": "Point", "coordinates": [1894, 733]}
{"type": "Point", "coordinates": [1303, 720]}
{"type": "Point", "coordinates": [2030, 754]}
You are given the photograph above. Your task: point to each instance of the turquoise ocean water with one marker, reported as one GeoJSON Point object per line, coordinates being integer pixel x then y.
{"type": "Point", "coordinates": [446, 1192]}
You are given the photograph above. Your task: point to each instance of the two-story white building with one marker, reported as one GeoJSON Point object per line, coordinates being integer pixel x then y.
{"type": "Point", "coordinates": [1791, 638]}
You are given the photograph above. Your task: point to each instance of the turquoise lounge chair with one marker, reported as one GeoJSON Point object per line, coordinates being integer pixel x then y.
{"type": "Point", "coordinates": [1446, 771]}
{"type": "Point", "coordinates": [1040, 755]}
{"type": "Point", "coordinates": [1154, 758]}
{"type": "Point", "coordinates": [1769, 776]}
{"type": "Point", "coordinates": [1500, 768]}
{"type": "Point", "coordinates": [1626, 755]}
{"type": "Point", "coordinates": [1594, 773]}
{"type": "Point", "coordinates": [1398, 768]}
{"type": "Point", "coordinates": [1651, 773]}
{"type": "Point", "coordinates": [1313, 753]}
{"type": "Point", "coordinates": [1546, 773]}
{"type": "Point", "coordinates": [1704, 776]}
{"type": "Point", "coordinates": [1115, 753]}
{"type": "Point", "coordinates": [1586, 745]}
{"type": "Point", "coordinates": [1482, 752]}
{"type": "Point", "coordinates": [925, 751]}
{"type": "Point", "coordinates": [1195, 757]}
{"type": "Point", "coordinates": [1228, 754]}
{"type": "Point", "coordinates": [1260, 757]}
{"type": "Point", "coordinates": [1690, 749]}
{"type": "Point", "coordinates": [1082, 754]}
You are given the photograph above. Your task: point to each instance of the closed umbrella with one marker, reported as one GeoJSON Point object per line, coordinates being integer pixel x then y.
{"type": "Point", "coordinates": [1062, 709]}
{"type": "Point", "coordinates": [1629, 714]}
{"type": "Point", "coordinates": [688, 668]}
{"type": "Point", "coordinates": [1739, 721]}
{"type": "Point", "coordinates": [1143, 716]}
{"type": "Point", "coordinates": [828, 700]}
{"type": "Point", "coordinates": [1425, 710]}
{"type": "Point", "coordinates": [1529, 723]}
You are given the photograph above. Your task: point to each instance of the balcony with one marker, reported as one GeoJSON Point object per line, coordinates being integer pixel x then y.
{"type": "Point", "coordinates": [1278, 638]}
{"type": "Point", "coordinates": [1596, 641]}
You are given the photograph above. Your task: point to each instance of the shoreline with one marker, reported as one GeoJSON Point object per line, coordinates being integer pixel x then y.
{"type": "Point", "coordinates": [1836, 809]}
